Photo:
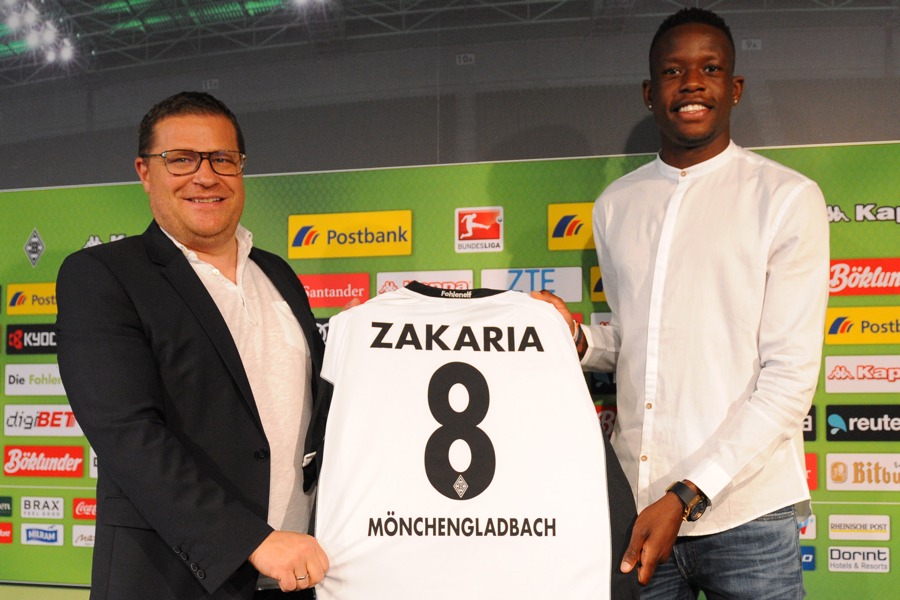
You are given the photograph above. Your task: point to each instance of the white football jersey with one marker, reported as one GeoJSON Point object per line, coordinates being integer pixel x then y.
{"type": "Point", "coordinates": [463, 456]}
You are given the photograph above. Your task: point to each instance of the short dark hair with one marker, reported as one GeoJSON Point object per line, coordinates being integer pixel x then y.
{"type": "Point", "coordinates": [185, 103]}
{"type": "Point", "coordinates": [687, 16]}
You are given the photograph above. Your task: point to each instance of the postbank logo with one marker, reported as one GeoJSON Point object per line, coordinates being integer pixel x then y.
{"type": "Point", "coordinates": [31, 299]}
{"type": "Point", "coordinates": [864, 276]}
{"type": "Point", "coordinates": [863, 325]}
{"type": "Point", "coordinates": [597, 293]}
{"type": "Point", "coordinates": [330, 290]}
{"type": "Point", "coordinates": [569, 226]}
{"type": "Point", "coordinates": [479, 229]}
{"type": "Point", "coordinates": [352, 234]}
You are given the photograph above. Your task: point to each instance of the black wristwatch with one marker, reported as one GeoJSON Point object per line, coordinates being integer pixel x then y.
{"type": "Point", "coordinates": [694, 504]}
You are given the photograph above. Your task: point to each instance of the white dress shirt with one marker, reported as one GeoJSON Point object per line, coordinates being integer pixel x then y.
{"type": "Point", "coordinates": [717, 279]}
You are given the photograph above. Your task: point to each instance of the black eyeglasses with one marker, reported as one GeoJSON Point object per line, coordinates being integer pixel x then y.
{"type": "Point", "coordinates": [186, 162]}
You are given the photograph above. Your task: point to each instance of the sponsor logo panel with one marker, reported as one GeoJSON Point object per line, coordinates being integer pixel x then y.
{"type": "Point", "coordinates": [83, 536]}
{"type": "Point", "coordinates": [812, 471]}
{"type": "Point", "coordinates": [33, 380]}
{"type": "Point", "coordinates": [330, 290]}
{"type": "Point", "coordinates": [84, 508]}
{"type": "Point", "coordinates": [43, 461]}
{"type": "Point", "coordinates": [808, 558]}
{"type": "Point", "coordinates": [607, 417]}
{"type": "Point", "coordinates": [808, 528]}
{"type": "Point", "coordinates": [6, 506]}
{"type": "Point", "coordinates": [864, 213]}
{"type": "Point", "coordinates": [863, 472]}
{"type": "Point", "coordinates": [569, 226]}
{"type": "Point", "coordinates": [331, 235]}
{"type": "Point", "coordinates": [31, 299]}
{"type": "Point", "coordinates": [565, 282]}
{"type": "Point", "coordinates": [865, 276]}
{"type": "Point", "coordinates": [809, 425]}
{"type": "Point", "coordinates": [597, 293]}
{"type": "Point", "coordinates": [6, 533]}
{"type": "Point", "coordinates": [859, 559]}
{"type": "Point", "coordinates": [862, 374]}
{"type": "Point", "coordinates": [30, 339]}
{"type": "Point", "coordinates": [445, 280]}
{"type": "Point", "coordinates": [863, 325]}
{"type": "Point", "coordinates": [93, 464]}
{"type": "Point", "coordinates": [859, 527]}
{"type": "Point", "coordinates": [863, 423]}
{"type": "Point", "coordinates": [601, 318]}
{"type": "Point", "coordinates": [50, 420]}
{"type": "Point", "coordinates": [43, 535]}
{"type": "Point", "coordinates": [479, 229]}
{"type": "Point", "coordinates": [38, 507]}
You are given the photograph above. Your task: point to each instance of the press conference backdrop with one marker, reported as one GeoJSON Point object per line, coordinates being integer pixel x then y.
{"type": "Point", "coordinates": [517, 225]}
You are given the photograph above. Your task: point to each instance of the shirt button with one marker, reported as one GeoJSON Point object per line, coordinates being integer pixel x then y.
{"type": "Point", "coordinates": [644, 458]}
{"type": "Point", "coordinates": [648, 405]}
{"type": "Point", "coordinates": [684, 173]}
{"type": "Point", "coordinates": [261, 454]}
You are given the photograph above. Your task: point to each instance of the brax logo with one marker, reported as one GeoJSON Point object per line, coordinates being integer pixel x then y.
{"type": "Point", "coordinates": [42, 508]}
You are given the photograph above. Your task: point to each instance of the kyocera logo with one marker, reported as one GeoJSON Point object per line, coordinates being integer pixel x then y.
{"type": "Point", "coordinates": [568, 226]}
{"type": "Point", "coordinates": [306, 236]}
{"type": "Point", "coordinates": [840, 325]}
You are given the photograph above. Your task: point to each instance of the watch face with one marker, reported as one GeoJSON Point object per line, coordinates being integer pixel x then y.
{"type": "Point", "coordinates": [697, 510]}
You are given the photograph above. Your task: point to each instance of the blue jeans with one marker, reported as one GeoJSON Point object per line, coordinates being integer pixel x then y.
{"type": "Point", "coordinates": [759, 560]}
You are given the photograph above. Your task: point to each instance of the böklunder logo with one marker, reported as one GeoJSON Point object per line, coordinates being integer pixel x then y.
{"type": "Point", "coordinates": [865, 276]}
{"type": "Point", "coordinates": [43, 461]}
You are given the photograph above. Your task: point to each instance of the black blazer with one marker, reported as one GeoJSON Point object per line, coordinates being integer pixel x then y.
{"type": "Point", "coordinates": [156, 383]}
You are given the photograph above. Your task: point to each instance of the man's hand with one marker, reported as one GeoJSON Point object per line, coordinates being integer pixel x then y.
{"type": "Point", "coordinates": [560, 305]}
{"type": "Point", "coordinates": [653, 536]}
{"type": "Point", "coordinates": [294, 560]}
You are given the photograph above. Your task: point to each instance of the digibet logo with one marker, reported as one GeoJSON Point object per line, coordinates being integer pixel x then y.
{"type": "Point", "coordinates": [569, 226]}
{"type": "Point", "coordinates": [479, 229]}
{"type": "Point", "coordinates": [809, 425]}
{"type": "Point", "coordinates": [332, 235]}
{"type": "Point", "coordinates": [40, 420]}
{"type": "Point", "coordinates": [30, 339]}
{"type": "Point", "coordinates": [863, 325]}
{"type": "Point", "coordinates": [31, 299]}
{"type": "Point", "coordinates": [866, 423]}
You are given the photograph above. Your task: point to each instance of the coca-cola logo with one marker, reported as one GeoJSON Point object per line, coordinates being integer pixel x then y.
{"type": "Point", "coordinates": [865, 276]}
{"type": "Point", "coordinates": [84, 508]}
{"type": "Point", "coordinates": [43, 461]}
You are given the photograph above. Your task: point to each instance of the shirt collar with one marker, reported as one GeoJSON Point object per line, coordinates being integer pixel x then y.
{"type": "Point", "coordinates": [244, 240]}
{"type": "Point", "coordinates": [698, 170]}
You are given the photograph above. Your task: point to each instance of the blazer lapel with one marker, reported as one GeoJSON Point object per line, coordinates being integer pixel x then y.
{"type": "Point", "coordinates": [175, 267]}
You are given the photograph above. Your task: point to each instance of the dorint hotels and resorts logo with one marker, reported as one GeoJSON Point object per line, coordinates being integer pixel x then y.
{"type": "Point", "coordinates": [862, 374]}
{"type": "Point", "coordinates": [863, 423]}
{"type": "Point", "coordinates": [863, 325]}
{"type": "Point", "coordinates": [863, 472]}
{"type": "Point", "coordinates": [859, 559]}
{"type": "Point", "coordinates": [31, 299]}
{"type": "Point", "coordinates": [43, 461]}
{"type": "Point", "coordinates": [30, 339]}
{"type": "Point", "coordinates": [479, 229]}
{"type": "Point", "coordinates": [352, 234]}
{"type": "Point", "coordinates": [569, 226]}
{"type": "Point", "coordinates": [331, 290]}
{"type": "Point", "coordinates": [864, 276]}
{"type": "Point", "coordinates": [445, 280]}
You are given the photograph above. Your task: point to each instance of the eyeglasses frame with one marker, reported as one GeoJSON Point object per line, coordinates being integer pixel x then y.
{"type": "Point", "coordinates": [203, 156]}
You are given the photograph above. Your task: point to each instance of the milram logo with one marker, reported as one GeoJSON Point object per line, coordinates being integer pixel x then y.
{"type": "Point", "coordinates": [333, 235]}
{"type": "Point", "coordinates": [569, 226]}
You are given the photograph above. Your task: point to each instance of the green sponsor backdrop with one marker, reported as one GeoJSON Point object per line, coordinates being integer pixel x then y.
{"type": "Point", "coordinates": [68, 218]}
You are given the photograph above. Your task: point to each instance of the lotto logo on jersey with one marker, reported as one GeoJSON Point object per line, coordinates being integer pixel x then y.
{"type": "Point", "coordinates": [31, 299]}
{"type": "Point", "coordinates": [597, 293]}
{"type": "Point", "coordinates": [863, 325]}
{"type": "Point", "coordinates": [330, 290]}
{"type": "Point", "coordinates": [565, 282]}
{"type": "Point", "coordinates": [569, 226]}
{"type": "Point", "coordinates": [479, 229]}
{"type": "Point", "coordinates": [333, 235]}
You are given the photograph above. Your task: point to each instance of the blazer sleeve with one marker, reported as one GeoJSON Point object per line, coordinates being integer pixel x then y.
{"type": "Point", "coordinates": [117, 382]}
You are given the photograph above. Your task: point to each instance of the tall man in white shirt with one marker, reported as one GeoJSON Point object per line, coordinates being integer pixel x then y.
{"type": "Point", "coordinates": [191, 360]}
{"type": "Point", "coordinates": [715, 266]}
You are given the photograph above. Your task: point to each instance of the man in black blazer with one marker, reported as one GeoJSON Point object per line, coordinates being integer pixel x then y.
{"type": "Point", "coordinates": [191, 361]}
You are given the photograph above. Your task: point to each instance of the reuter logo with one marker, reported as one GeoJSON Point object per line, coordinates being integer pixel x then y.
{"type": "Point", "coordinates": [84, 508]}
{"type": "Point", "coordinates": [865, 276]}
{"type": "Point", "coordinates": [43, 461]}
